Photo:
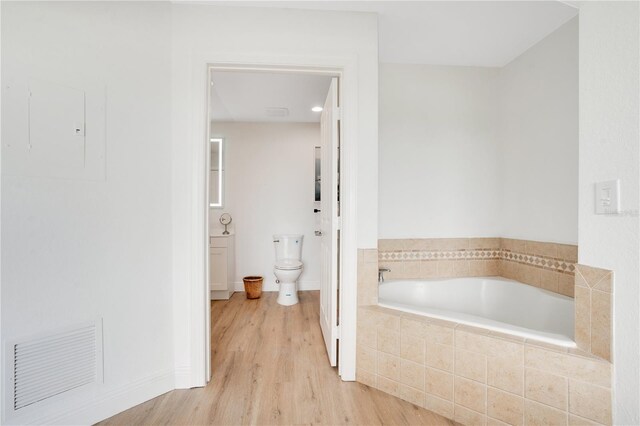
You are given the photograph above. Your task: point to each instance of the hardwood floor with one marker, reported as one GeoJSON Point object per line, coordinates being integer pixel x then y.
{"type": "Point", "coordinates": [270, 367]}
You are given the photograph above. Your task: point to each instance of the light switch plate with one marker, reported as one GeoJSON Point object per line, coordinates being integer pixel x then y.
{"type": "Point", "coordinates": [608, 197]}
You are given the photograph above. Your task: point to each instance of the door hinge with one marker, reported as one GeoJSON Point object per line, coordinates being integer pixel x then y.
{"type": "Point", "coordinates": [338, 112]}
{"type": "Point", "coordinates": [336, 331]}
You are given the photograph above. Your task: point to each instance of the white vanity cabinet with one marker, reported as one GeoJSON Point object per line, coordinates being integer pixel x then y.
{"type": "Point", "coordinates": [221, 266]}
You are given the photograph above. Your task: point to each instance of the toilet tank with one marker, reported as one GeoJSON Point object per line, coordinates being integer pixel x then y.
{"type": "Point", "coordinates": [288, 246]}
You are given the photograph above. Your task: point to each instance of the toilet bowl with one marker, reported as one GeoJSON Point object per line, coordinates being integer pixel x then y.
{"type": "Point", "coordinates": [288, 267]}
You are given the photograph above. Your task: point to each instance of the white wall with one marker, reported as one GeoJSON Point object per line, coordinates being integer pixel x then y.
{"type": "Point", "coordinates": [609, 149]}
{"type": "Point", "coordinates": [269, 190]}
{"type": "Point", "coordinates": [438, 152]}
{"type": "Point", "coordinates": [473, 152]}
{"type": "Point", "coordinates": [538, 132]}
{"type": "Point", "coordinates": [76, 249]}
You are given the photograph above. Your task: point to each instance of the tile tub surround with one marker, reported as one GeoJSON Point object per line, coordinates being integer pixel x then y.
{"type": "Point", "coordinates": [478, 377]}
{"type": "Point", "coordinates": [547, 265]}
{"type": "Point", "coordinates": [593, 311]}
{"type": "Point", "coordinates": [367, 277]}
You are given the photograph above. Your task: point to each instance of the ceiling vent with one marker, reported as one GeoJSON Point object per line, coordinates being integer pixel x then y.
{"type": "Point", "coordinates": [277, 112]}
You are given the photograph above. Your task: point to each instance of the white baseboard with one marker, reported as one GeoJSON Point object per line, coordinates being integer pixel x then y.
{"type": "Point", "coordinates": [273, 286]}
{"type": "Point", "coordinates": [182, 377]}
{"type": "Point", "coordinates": [107, 403]}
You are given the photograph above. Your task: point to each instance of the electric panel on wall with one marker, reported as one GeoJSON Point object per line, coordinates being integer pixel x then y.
{"type": "Point", "coordinates": [53, 129]}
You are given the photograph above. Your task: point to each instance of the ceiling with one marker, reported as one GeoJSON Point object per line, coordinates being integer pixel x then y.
{"type": "Point", "coordinates": [465, 33]}
{"type": "Point", "coordinates": [264, 96]}
{"type": "Point", "coordinates": [468, 33]}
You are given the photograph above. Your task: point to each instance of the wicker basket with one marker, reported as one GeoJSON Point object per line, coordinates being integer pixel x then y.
{"type": "Point", "coordinates": [253, 287]}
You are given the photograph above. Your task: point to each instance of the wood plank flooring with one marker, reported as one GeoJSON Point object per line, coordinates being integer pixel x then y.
{"type": "Point", "coordinates": [270, 367]}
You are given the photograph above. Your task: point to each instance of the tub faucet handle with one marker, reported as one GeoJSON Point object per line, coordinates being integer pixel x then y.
{"type": "Point", "coordinates": [381, 272]}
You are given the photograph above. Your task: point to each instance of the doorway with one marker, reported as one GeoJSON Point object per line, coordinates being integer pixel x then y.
{"type": "Point", "coordinates": [251, 187]}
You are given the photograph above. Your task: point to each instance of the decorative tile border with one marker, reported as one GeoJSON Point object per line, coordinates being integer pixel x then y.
{"type": "Point", "coordinates": [543, 262]}
{"type": "Point", "coordinates": [481, 254]}
{"type": "Point", "coordinates": [549, 263]}
{"type": "Point", "coordinates": [546, 265]}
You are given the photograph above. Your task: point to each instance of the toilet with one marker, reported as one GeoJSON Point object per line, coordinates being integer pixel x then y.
{"type": "Point", "coordinates": [288, 267]}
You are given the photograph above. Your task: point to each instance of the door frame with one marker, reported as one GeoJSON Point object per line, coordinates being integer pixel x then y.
{"type": "Point", "coordinates": [345, 68]}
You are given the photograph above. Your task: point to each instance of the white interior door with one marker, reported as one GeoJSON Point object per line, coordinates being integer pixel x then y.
{"type": "Point", "coordinates": [329, 223]}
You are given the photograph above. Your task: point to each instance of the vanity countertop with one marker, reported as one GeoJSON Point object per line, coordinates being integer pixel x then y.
{"type": "Point", "coordinates": [218, 234]}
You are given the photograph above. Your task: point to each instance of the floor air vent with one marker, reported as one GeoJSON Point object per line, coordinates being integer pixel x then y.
{"type": "Point", "coordinates": [51, 365]}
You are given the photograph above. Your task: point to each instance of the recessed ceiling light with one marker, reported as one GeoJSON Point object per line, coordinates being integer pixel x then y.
{"type": "Point", "coordinates": [316, 109]}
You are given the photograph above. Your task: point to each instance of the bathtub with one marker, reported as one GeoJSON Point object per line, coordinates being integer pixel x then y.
{"type": "Point", "coordinates": [494, 303]}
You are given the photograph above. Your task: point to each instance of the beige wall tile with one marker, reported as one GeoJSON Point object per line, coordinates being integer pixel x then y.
{"type": "Point", "coordinates": [504, 406]}
{"type": "Point", "coordinates": [439, 334]}
{"type": "Point", "coordinates": [567, 252]}
{"type": "Point", "coordinates": [417, 244]}
{"type": "Point", "coordinates": [484, 243]}
{"type": "Point", "coordinates": [366, 358]}
{"type": "Point", "coordinates": [484, 268]}
{"type": "Point", "coordinates": [461, 268]}
{"type": "Point", "coordinates": [485, 345]}
{"type": "Point", "coordinates": [605, 284]}
{"type": "Point", "coordinates": [411, 269]}
{"type": "Point", "coordinates": [470, 394]}
{"type": "Point", "coordinates": [445, 268]}
{"type": "Point", "coordinates": [592, 275]}
{"type": "Point", "coordinates": [439, 383]}
{"type": "Point", "coordinates": [582, 315]}
{"type": "Point", "coordinates": [579, 279]}
{"type": "Point", "coordinates": [439, 356]}
{"type": "Point", "coordinates": [508, 269]}
{"type": "Point", "coordinates": [588, 370]}
{"type": "Point", "coordinates": [390, 245]}
{"type": "Point", "coordinates": [536, 414]}
{"type": "Point", "coordinates": [366, 377]}
{"type": "Point", "coordinates": [530, 275]}
{"type": "Point", "coordinates": [413, 327]}
{"type": "Point", "coordinates": [388, 341]}
{"type": "Point", "coordinates": [600, 324]}
{"type": "Point", "coordinates": [412, 374]}
{"type": "Point", "coordinates": [468, 417]}
{"type": "Point", "coordinates": [412, 348]}
{"type": "Point", "coordinates": [471, 341]}
{"type": "Point", "coordinates": [389, 386]}
{"type": "Point", "coordinates": [566, 284]}
{"type": "Point", "coordinates": [547, 388]}
{"type": "Point", "coordinates": [506, 373]}
{"type": "Point", "coordinates": [495, 422]}
{"type": "Point", "coordinates": [370, 256]}
{"type": "Point", "coordinates": [385, 318]}
{"type": "Point", "coordinates": [450, 243]}
{"type": "Point", "coordinates": [388, 366]}
{"type": "Point", "coordinates": [428, 269]}
{"type": "Point", "coordinates": [367, 335]}
{"type": "Point", "coordinates": [513, 245]}
{"type": "Point", "coordinates": [368, 284]}
{"type": "Point", "coordinates": [410, 394]}
{"type": "Point", "coordinates": [471, 365]}
{"type": "Point", "coordinates": [439, 406]}
{"type": "Point", "coordinates": [589, 401]}
{"type": "Point", "coordinates": [549, 280]}
{"type": "Point", "coordinates": [580, 421]}
{"type": "Point", "coordinates": [541, 248]}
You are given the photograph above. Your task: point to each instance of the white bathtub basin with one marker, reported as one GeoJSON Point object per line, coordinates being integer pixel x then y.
{"type": "Point", "coordinates": [494, 303]}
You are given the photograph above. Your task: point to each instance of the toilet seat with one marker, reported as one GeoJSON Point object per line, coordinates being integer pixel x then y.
{"type": "Point", "coordinates": [288, 265]}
